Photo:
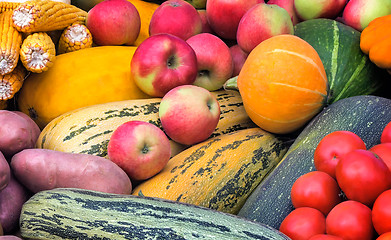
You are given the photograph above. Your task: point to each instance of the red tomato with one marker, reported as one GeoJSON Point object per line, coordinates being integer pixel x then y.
{"type": "Point", "coordinates": [386, 134]}
{"type": "Point", "coordinates": [316, 189]}
{"type": "Point", "coordinates": [325, 237]}
{"type": "Point", "coordinates": [383, 150]}
{"type": "Point", "coordinates": [350, 220]}
{"type": "Point", "coordinates": [303, 223]}
{"type": "Point", "coordinates": [332, 147]}
{"type": "Point", "coordinates": [362, 176]}
{"type": "Point", "coordinates": [381, 213]}
{"type": "Point", "coordinates": [385, 236]}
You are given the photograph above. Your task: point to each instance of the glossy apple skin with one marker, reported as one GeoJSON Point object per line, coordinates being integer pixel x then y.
{"type": "Point", "coordinates": [162, 62]}
{"type": "Point", "coordinates": [212, 74]}
{"type": "Point", "coordinates": [239, 57]}
{"type": "Point", "coordinates": [114, 22]}
{"type": "Point", "coordinates": [306, 10]}
{"type": "Point", "coordinates": [224, 15]}
{"type": "Point", "coordinates": [358, 13]}
{"type": "Point", "coordinates": [261, 22]}
{"type": "Point", "coordinates": [176, 17]}
{"type": "Point", "coordinates": [189, 114]}
{"type": "Point", "coordinates": [204, 19]}
{"type": "Point", "coordinates": [288, 6]}
{"type": "Point", "coordinates": [140, 148]}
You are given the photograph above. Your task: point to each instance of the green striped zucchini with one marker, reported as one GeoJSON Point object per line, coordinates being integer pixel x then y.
{"type": "Point", "coordinates": [65, 213]}
{"type": "Point", "coordinates": [88, 130]}
{"type": "Point", "coordinates": [365, 115]}
{"type": "Point", "coordinates": [219, 173]}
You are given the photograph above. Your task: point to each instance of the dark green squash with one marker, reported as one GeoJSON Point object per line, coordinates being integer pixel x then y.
{"type": "Point", "coordinates": [349, 71]}
{"type": "Point", "coordinates": [364, 115]}
{"type": "Point", "coordinates": [65, 213]}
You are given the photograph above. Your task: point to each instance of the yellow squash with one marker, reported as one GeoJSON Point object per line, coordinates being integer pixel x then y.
{"type": "Point", "coordinates": [77, 79]}
{"type": "Point", "coordinates": [219, 173]}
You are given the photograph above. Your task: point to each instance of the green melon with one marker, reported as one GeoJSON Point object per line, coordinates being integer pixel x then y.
{"type": "Point", "coordinates": [349, 71]}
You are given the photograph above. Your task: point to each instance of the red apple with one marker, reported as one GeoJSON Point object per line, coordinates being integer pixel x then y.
{"type": "Point", "coordinates": [204, 19]}
{"type": "Point", "coordinates": [114, 22]}
{"type": "Point", "coordinates": [176, 17]}
{"type": "Point", "coordinates": [162, 62]}
{"type": "Point", "coordinates": [359, 13]}
{"type": "Point", "coordinates": [288, 6]}
{"type": "Point", "coordinates": [262, 22]}
{"type": "Point", "coordinates": [140, 148]}
{"type": "Point", "coordinates": [224, 15]}
{"type": "Point", "coordinates": [239, 57]}
{"type": "Point", "coordinates": [212, 74]}
{"type": "Point", "coordinates": [306, 10]}
{"type": "Point", "coordinates": [189, 114]}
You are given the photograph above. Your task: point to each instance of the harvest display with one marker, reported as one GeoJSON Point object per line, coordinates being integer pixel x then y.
{"type": "Point", "coordinates": [195, 119]}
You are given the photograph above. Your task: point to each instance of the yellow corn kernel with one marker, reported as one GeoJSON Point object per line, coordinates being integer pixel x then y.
{"type": "Point", "coordinates": [11, 83]}
{"type": "Point", "coordinates": [8, 6]}
{"type": "Point", "coordinates": [10, 42]}
{"type": "Point", "coordinates": [38, 52]}
{"type": "Point", "coordinates": [46, 15]}
{"type": "Point", "coordinates": [73, 38]}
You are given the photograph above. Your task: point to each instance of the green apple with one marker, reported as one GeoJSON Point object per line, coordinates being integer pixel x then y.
{"type": "Point", "coordinates": [199, 4]}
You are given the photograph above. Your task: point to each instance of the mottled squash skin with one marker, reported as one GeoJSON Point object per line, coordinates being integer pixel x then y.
{"type": "Point", "coordinates": [78, 79]}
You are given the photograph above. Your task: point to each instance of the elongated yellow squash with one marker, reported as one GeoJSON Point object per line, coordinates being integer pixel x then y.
{"type": "Point", "coordinates": [78, 79]}
{"type": "Point", "coordinates": [88, 130]}
{"type": "Point", "coordinates": [219, 173]}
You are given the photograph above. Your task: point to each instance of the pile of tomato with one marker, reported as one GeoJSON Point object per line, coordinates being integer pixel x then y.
{"type": "Point", "coordinates": [348, 196]}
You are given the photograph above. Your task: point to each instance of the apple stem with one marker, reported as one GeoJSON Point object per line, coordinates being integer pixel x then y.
{"type": "Point", "coordinates": [231, 84]}
{"type": "Point", "coordinates": [171, 62]}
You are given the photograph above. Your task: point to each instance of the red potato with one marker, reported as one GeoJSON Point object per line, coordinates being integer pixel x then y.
{"type": "Point", "coordinates": [5, 172]}
{"type": "Point", "coordinates": [10, 237]}
{"type": "Point", "coordinates": [18, 131]}
{"type": "Point", "coordinates": [12, 199]}
{"type": "Point", "coordinates": [44, 169]}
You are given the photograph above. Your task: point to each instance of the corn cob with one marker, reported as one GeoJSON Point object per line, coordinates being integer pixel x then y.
{"type": "Point", "coordinates": [11, 83]}
{"type": "Point", "coordinates": [73, 38]}
{"type": "Point", "coordinates": [10, 43]}
{"type": "Point", "coordinates": [8, 6]}
{"type": "Point", "coordinates": [38, 52]}
{"type": "Point", "coordinates": [46, 15]}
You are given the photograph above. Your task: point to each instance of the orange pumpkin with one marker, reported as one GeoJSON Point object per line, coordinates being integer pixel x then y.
{"type": "Point", "coordinates": [375, 41]}
{"type": "Point", "coordinates": [283, 84]}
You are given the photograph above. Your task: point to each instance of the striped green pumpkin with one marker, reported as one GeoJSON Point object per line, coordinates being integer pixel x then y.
{"type": "Point", "coordinates": [219, 173]}
{"type": "Point", "coordinates": [65, 213]}
{"type": "Point", "coordinates": [88, 130]}
{"type": "Point", "coordinates": [349, 71]}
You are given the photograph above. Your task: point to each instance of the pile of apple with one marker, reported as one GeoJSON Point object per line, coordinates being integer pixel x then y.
{"type": "Point", "coordinates": [349, 194]}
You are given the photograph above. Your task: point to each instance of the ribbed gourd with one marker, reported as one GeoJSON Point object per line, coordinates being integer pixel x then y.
{"type": "Point", "coordinates": [283, 84]}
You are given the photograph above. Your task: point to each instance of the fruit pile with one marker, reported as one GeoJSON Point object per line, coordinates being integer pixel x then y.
{"type": "Point", "coordinates": [195, 119]}
{"type": "Point", "coordinates": [348, 194]}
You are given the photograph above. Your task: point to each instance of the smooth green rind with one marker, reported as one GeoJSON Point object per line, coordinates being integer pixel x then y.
{"type": "Point", "coordinates": [365, 115]}
{"type": "Point", "coordinates": [349, 71]}
{"type": "Point", "coordinates": [66, 213]}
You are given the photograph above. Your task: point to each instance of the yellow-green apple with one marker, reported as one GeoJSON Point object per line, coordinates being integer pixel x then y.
{"type": "Point", "coordinates": [239, 57]}
{"type": "Point", "coordinates": [224, 15]}
{"type": "Point", "coordinates": [312, 9]}
{"type": "Point", "coordinates": [114, 22]}
{"type": "Point", "coordinates": [288, 6]}
{"type": "Point", "coordinates": [140, 148]}
{"type": "Point", "coordinates": [358, 13]}
{"type": "Point", "coordinates": [176, 17]}
{"type": "Point", "coordinates": [262, 22]}
{"type": "Point", "coordinates": [212, 74]}
{"type": "Point", "coordinates": [162, 62]}
{"type": "Point", "coordinates": [204, 19]}
{"type": "Point", "coordinates": [199, 4]}
{"type": "Point", "coordinates": [189, 114]}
